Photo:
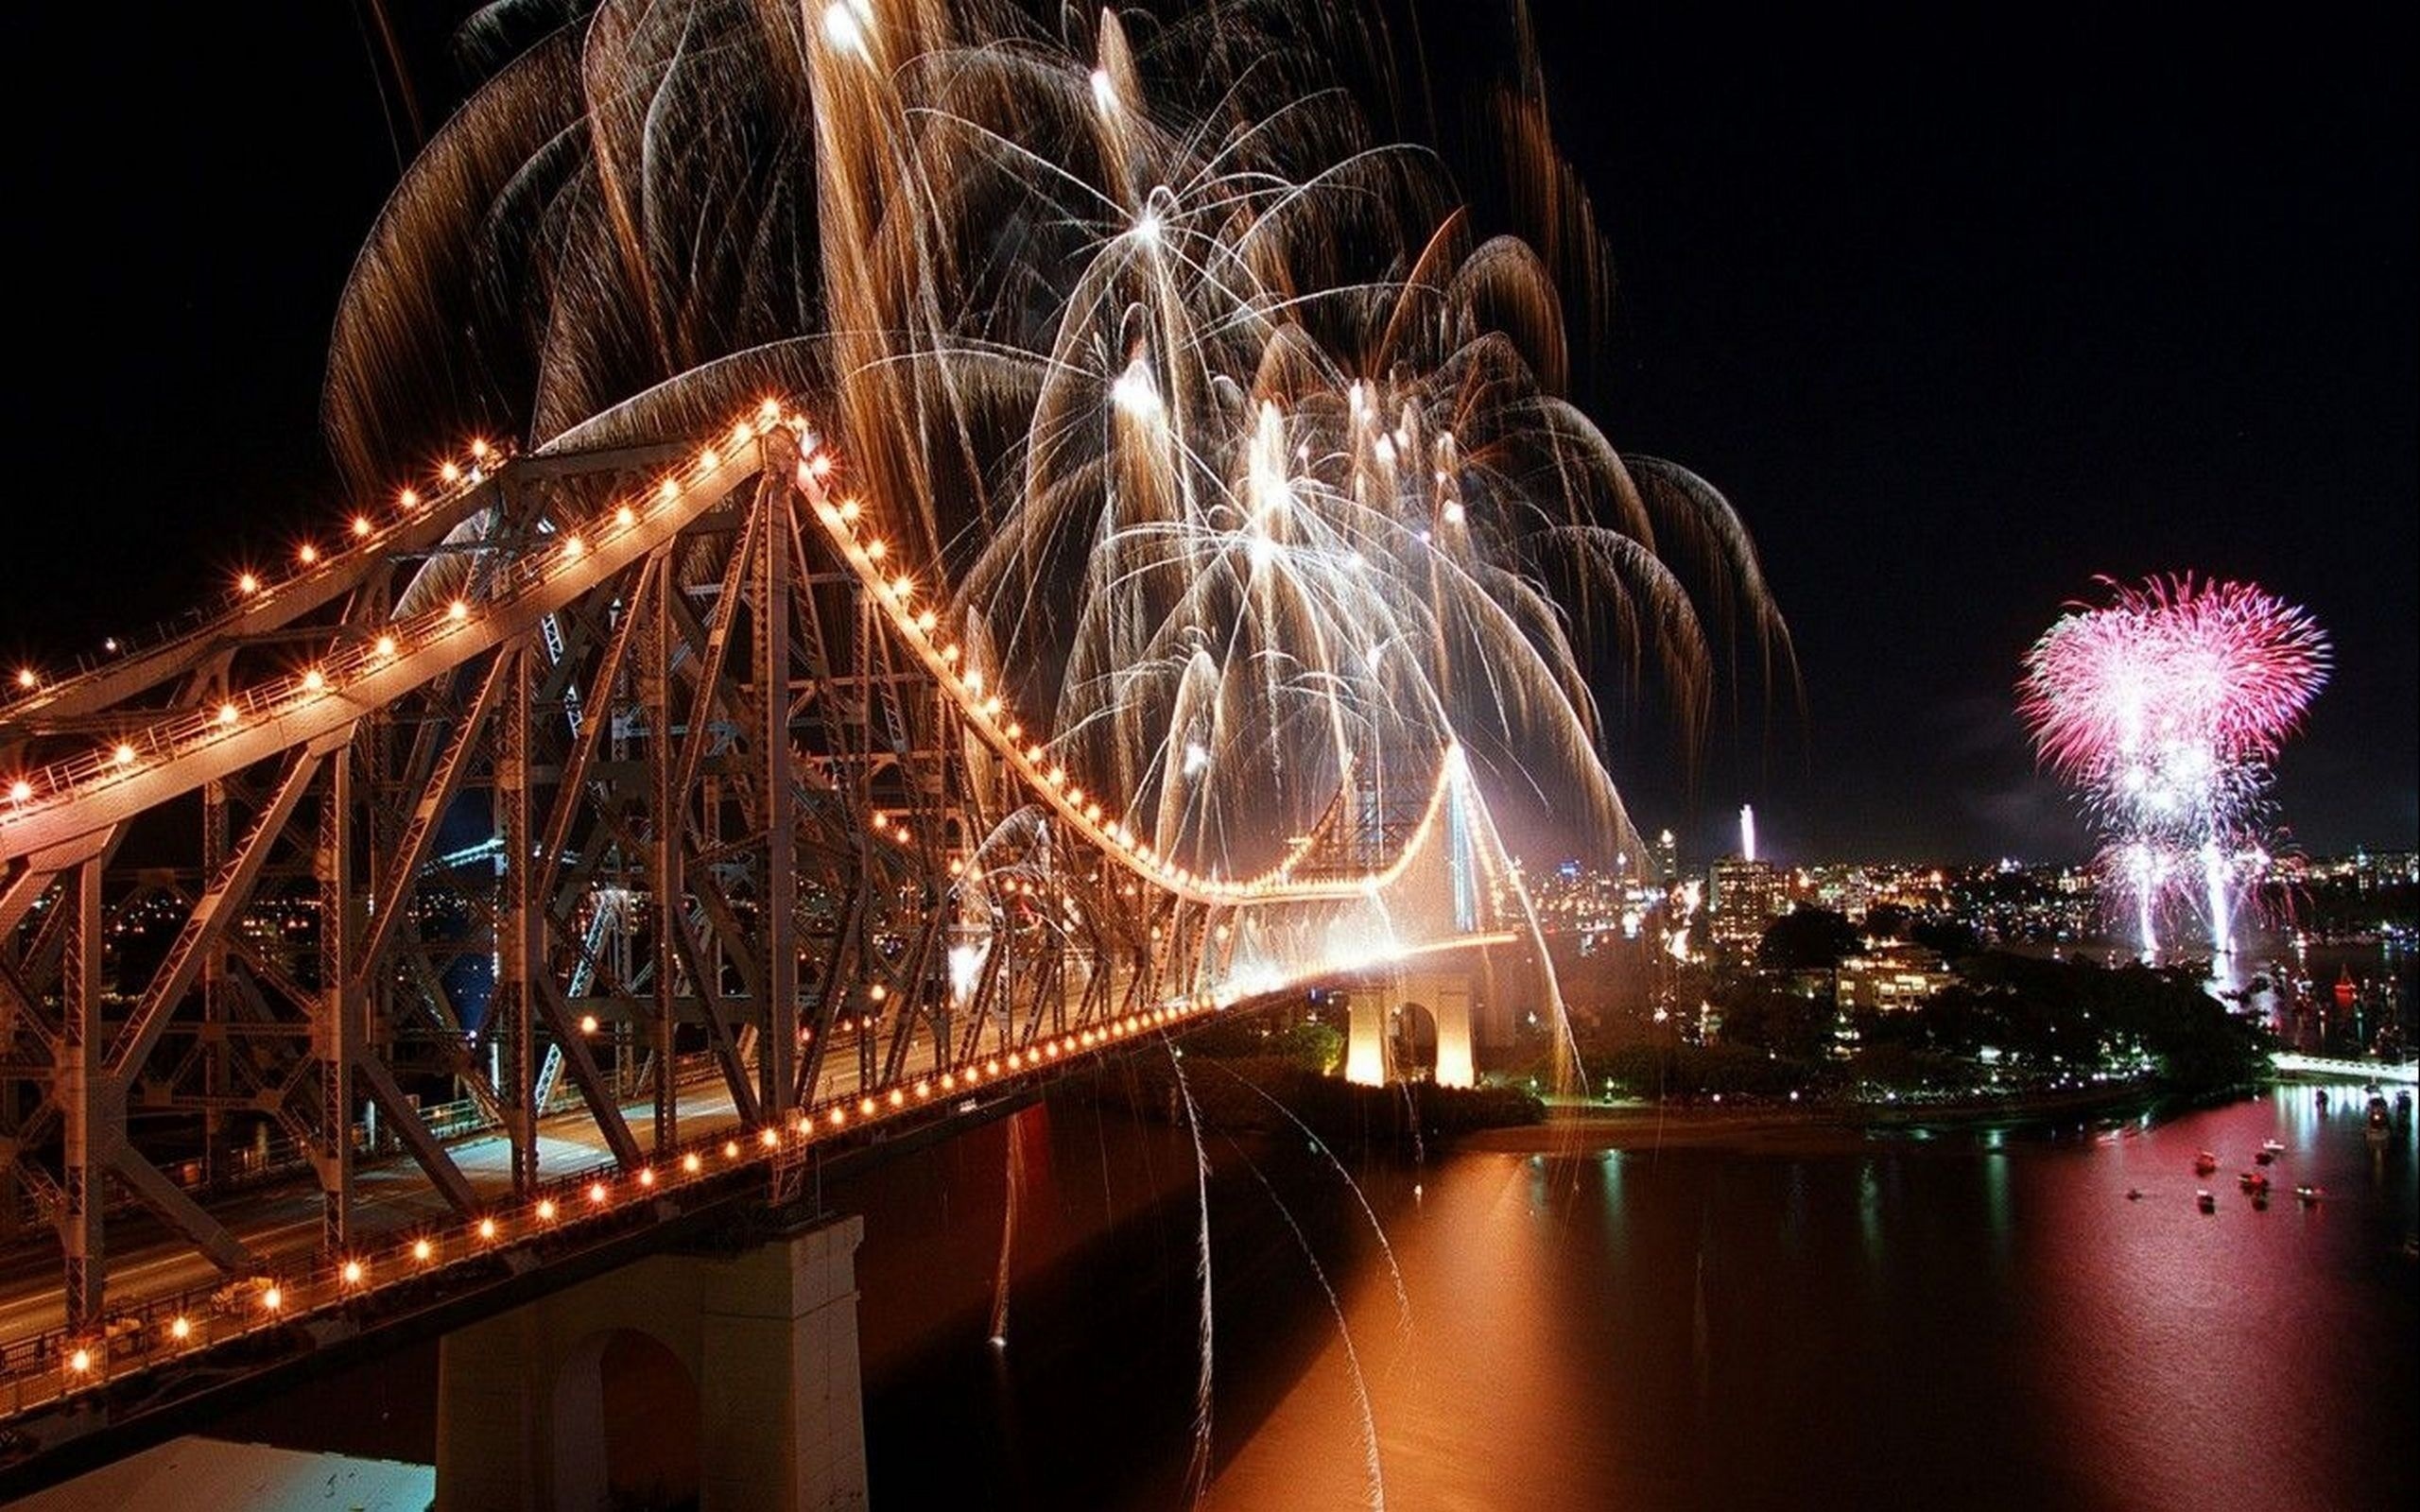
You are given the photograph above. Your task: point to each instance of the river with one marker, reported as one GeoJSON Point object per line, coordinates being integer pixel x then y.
{"type": "Point", "coordinates": [1792, 1316]}
{"type": "Point", "coordinates": [1719, 1313]}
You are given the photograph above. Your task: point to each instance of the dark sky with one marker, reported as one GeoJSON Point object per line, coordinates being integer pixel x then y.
{"type": "Point", "coordinates": [1960, 311]}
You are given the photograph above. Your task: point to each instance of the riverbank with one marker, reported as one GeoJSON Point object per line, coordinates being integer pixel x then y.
{"type": "Point", "coordinates": [1584, 1128]}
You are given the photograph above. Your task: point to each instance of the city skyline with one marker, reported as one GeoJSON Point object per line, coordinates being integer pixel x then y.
{"type": "Point", "coordinates": [2052, 331]}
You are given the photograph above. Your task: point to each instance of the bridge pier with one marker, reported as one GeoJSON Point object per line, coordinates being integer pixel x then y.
{"type": "Point", "coordinates": [1445, 996]}
{"type": "Point", "coordinates": [731, 1378]}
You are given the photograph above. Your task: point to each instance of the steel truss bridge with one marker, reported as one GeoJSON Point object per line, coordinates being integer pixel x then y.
{"type": "Point", "coordinates": [592, 829]}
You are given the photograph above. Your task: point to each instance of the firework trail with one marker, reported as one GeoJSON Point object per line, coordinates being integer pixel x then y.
{"type": "Point", "coordinates": [2165, 707]}
{"type": "Point", "coordinates": [1239, 435]}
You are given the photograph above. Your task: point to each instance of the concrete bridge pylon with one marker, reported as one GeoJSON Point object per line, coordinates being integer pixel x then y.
{"type": "Point", "coordinates": [731, 1377]}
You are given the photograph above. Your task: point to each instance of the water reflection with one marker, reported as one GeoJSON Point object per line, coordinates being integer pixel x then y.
{"type": "Point", "coordinates": [1973, 1319]}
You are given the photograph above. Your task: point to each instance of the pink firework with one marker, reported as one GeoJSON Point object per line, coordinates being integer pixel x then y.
{"type": "Point", "coordinates": [2165, 705]}
{"type": "Point", "coordinates": [2206, 676]}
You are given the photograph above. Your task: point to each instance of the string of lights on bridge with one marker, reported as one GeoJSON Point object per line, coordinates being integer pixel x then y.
{"type": "Point", "coordinates": [182, 1325]}
{"type": "Point", "coordinates": [917, 620]}
{"type": "Point", "coordinates": [187, 1322]}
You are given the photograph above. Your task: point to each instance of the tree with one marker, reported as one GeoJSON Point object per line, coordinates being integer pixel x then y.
{"type": "Point", "coordinates": [1807, 940]}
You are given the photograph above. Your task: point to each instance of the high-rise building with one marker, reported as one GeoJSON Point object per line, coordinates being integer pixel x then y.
{"type": "Point", "coordinates": [1743, 899]}
{"type": "Point", "coordinates": [1667, 858]}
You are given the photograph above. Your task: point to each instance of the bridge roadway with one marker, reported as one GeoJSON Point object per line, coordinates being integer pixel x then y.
{"type": "Point", "coordinates": [281, 1224]}
{"type": "Point", "coordinates": [171, 1305]}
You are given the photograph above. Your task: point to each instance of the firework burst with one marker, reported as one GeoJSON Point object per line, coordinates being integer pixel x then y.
{"type": "Point", "coordinates": [1243, 449]}
{"type": "Point", "coordinates": [2165, 707]}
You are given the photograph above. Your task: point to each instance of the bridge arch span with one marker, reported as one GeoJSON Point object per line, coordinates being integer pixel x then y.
{"type": "Point", "coordinates": [626, 1422]}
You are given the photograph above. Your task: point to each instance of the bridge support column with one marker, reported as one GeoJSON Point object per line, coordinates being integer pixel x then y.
{"type": "Point", "coordinates": [531, 1412]}
{"type": "Point", "coordinates": [1446, 995]}
{"type": "Point", "coordinates": [1365, 1043]}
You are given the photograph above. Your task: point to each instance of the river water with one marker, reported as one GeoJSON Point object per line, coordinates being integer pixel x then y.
{"type": "Point", "coordinates": [1722, 1316]}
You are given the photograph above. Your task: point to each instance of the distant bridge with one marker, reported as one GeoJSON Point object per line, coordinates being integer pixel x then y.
{"type": "Point", "coordinates": [2405, 1071]}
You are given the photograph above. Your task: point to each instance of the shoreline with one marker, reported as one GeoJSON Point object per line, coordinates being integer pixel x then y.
{"type": "Point", "coordinates": [1576, 1129]}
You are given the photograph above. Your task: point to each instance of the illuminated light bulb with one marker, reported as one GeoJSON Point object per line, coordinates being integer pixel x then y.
{"type": "Point", "coordinates": [708, 460]}
{"type": "Point", "coordinates": [1055, 776]}
{"type": "Point", "coordinates": [422, 1250]}
{"type": "Point", "coordinates": [691, 1164]}
{"type": "Point", "coordinates": [849, 509]}
{"type": "Point", "coordinates": [450, 473]}
{"type": "Point", "coordinates": [1015, 1060]}
{"type": "Point", "coordinates": [739, 435]}
{"type": "Point", "coordinates": [247, 584]}
{"type": "Point", "coordinates": [226, 713]}
{"type": "Point", "coordinates": [1091, 812]}
{"type": "Point", "coordinates": [1075, 797]}
{"type": "Point", "coordinates": [877, 992]}
{"type": "Point", "coordinates": [26, 678]}
{"type": "Point", "coordinates": [273, 1299]}
{"type": "Point", "coordinates": [487, 1227]}
{"type": "Point", "coordinates": [973, 1074]}
{"type": "Point", "coordinates": [626, 516]}
{"type": "Point", "coordinates": [974, 680]}
{"type": "Point", "coordinates": [457, 611]}
{"type": "Point", "coordinates": [667, 490]}
{"type": "Point", "coordinates": [19, 790]}
{"type": "Point", "coordinates": [124, 755]}
{"type": "Point", "coordinates": [180, 1328]}
{"type": "Point", "coordinates": [731, 1149]}
{"type": "Point", "coordinates": [314, 680]}
{"type": "Point", "coordinates": [926, 621]}
{"type": "Point", "coordinates": [876, 550]}
{"type": "Point", "coordinates": [1014, 731]}
{"type": "Point", "coordinates": [588, 1023]}
{"type": "Point", "coordinates": [924, 1089]}
{"type": "Point", "coordinates": [898, 1098]}
{"type": "Point", "coordinates": [769, 1139]}
{"type": "Point", "coordinates": [1454, 512]}
{"type": "Point", "coordinates": [478, 448]}
{"type": "Point", "coordinates": [992, 706]}
{"type": "Point", "coordinates": [385, 646]}
{"type": "Point", "coordinates": [820, 464]}
{"type": "Point", "coordinates": [409, 498]}
{"type": "Point", "coordinates": [575, 548]}
{"type": "Point", "coordinates": [1033, 753]}
{"type": "Point", "coordinates": [597, 1192]}
{"type": "Point", "coordinates": [646, 1176]}
{"type": "Point", "coordinates": [546, 1210]}
{"type": "Point", "coordinates": [80, 1361]}
{"type": "Point", "coordinates": [949, 1082]}
{"type": "Point", "coordinates": [839, 1117]}
{"type": "Point", "coordinates": [902, 587]}
{"type": "Point", "coordinates": [866, 1106]}
{"type": "Point", "coordinates": [956, 868]}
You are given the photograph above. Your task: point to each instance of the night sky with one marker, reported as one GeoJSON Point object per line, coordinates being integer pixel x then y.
{"type": "Point", "coordinates": [1959, 311]}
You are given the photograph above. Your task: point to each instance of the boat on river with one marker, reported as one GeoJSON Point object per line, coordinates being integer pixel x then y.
{"type": "Point", "coordinates": [2204, 1163]}
{"type": "Point", "coordinates": [2309, 1194]}
{"type": "Point", "coordinates": [2202, 1200]}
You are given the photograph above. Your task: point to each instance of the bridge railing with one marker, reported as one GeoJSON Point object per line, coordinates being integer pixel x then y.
{"type": "Point", "coordinates": [59, 1363]}
{"type": "Point", "coordinates": [201, 621]}
{"type": "Point", "coordinates": [186, 731]}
